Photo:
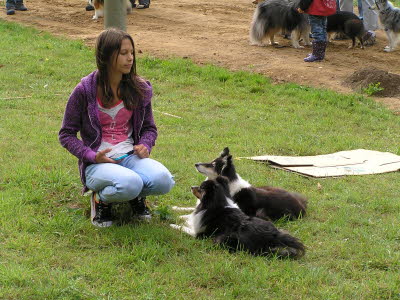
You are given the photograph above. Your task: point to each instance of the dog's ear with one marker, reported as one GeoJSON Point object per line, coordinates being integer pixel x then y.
{"type": "Point", "coordinates": [227, 160]}
{"type": "Point", "coordinates": [225, 152]}
{"type": "Point", "coordinates": [207, 185]}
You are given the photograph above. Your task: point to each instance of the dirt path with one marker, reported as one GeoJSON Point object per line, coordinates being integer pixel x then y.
{"type": "Point", "coordinates": [217, 33]}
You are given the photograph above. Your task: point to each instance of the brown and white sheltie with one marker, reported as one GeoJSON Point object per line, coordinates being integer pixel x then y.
{"type": "Point", "coordinates": [99, 7]}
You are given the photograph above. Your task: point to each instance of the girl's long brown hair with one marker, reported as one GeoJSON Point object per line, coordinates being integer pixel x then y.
{"type": "Point", "coordinates": [131, 88]}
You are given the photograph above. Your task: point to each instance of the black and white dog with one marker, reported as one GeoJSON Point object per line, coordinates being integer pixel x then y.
{"type": "Point", "coordinates": [389, 17]}
{"type": "Point", "coordinates": [347, 23]}
{"type": "Point", "coordinates": [217, 217]}
{"type": "Point", "coordinates": [264, 202]}
{"type": "Point", "coordinates": [273, 16]}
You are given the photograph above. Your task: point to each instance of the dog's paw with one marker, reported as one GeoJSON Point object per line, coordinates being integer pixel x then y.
{"type": "Point", "coordinates": [174, 226]}
{"type": "Point", "coordinates": [178, 208]}
{"type": "Point", "coordinates": [387, 49]}
{"type": "Point", "coordinates": [257, 44]}
{"type": "Point", "coordinates": [95, 17]}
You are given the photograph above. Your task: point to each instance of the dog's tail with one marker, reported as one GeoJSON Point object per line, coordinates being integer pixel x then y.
{"type": "Point", "coordinates": [257, 27]}
{"type": "Point", "coordinates": [288, 246]}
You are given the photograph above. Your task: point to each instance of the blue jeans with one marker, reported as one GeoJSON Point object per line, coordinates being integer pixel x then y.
{"type": "Point", "coordinates": [360, 9]}
{"type": "Point", "coordinates": [132, 177]}
{"type": "Point", "coordinates": [13, 3]}
{"type": "Point", "coordinates": [318, 27]}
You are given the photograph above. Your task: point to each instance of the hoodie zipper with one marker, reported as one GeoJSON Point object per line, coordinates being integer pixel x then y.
{"type": "Point", "coordinates": [97, 132]}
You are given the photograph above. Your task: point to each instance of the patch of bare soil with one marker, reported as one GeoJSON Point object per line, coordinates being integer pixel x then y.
{"type": "Point", "coordinates": [388, 83]}
{"type": "Point", "coordinates": [215, 32]}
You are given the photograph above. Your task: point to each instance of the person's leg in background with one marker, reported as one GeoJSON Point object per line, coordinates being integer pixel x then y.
{"type": "Point", "coordinates": [318, 29]}
{"type": "Point", "coordinates": [10, 7]}
{"type": "Point", "coordinates": [370, 16]}
{"type": "Point", "coordinates": [19, 5]}
{"type": "Point", "coordinates": [346, 5]}
{"type": "Point", "coordinates": [360, 9]}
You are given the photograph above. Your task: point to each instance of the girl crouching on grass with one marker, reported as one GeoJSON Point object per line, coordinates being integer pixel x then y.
{"type": "Point", "coordinates": [111, 109]}
{"type": "Point", "coordinates": [317, 10]}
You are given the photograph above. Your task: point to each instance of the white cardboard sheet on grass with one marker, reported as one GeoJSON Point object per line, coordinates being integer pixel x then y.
{"type": "Point", "coordinates": [353, 162]}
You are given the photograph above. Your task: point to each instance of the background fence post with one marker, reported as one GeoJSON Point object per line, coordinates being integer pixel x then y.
{"type": "Point", "coordinates": [115, 14]}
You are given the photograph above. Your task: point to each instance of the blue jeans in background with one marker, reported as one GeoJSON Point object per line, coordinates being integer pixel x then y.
{"type": "Point", "coordinates": [12, 3]}
{"type": "Point", "coordinates": [360, 9]}
{"type": "Point", "coordinates": [318, 28]}
{"type": "Point", "coordinates": [132, 177]}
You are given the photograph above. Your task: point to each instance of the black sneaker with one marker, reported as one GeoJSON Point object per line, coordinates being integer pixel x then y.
{"type": "Point", "coordinates": [140, 209]}
{"type": "Point", "coordinates": [100, 213]}
{"type": "Point", "coordinates": [20, 7]}
{"type": "Point", "coordinates": [143, 4]}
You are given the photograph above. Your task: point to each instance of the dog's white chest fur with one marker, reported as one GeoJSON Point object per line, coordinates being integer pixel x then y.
{"type": "Point", "coordinates": [192, 224]}
{"type": "Point", "coordinates": [238, 184]}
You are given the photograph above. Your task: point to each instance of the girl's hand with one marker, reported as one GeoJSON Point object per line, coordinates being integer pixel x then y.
{"type": "Point", "coordinates": [300, 11]}
{"type": "Point", "coordinates": [102, 158]}
{"type": "Point", "coordinates": [141, 151]}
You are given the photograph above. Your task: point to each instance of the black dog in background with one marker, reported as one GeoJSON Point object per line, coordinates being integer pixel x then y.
{"type": "Point", "coordinates": [346, 23]}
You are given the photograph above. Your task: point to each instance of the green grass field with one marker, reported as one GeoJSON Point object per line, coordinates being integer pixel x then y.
{"type": "Point", "coordinates": [49, 249]}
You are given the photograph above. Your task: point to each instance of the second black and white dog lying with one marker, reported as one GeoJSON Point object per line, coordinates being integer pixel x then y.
{"type": "Point", "coordinates": [219, 218]}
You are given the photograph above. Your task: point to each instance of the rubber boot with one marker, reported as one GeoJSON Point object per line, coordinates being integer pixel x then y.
{"type": "Point", "coordinates": [318, 52]}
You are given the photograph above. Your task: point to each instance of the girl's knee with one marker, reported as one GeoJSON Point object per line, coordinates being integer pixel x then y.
{"type": "Point", "coordinates": [125, 189]}
{"type": "Point", "coordinates": [130, 187]}
{"type": "Point", "coordinates": [163, 182]}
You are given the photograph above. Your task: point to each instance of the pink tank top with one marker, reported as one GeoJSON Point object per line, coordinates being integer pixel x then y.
{"type": "Point", "coordinates": [116, 129]}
